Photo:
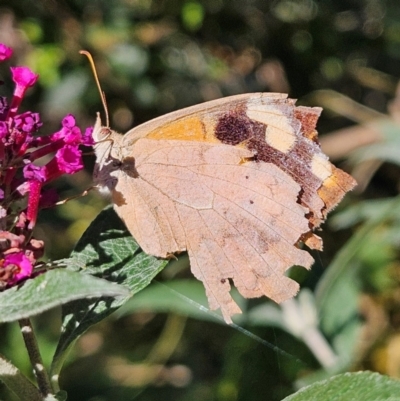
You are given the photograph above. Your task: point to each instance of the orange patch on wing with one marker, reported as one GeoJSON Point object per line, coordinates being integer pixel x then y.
{"type": "Point", "coordinates": [335, 187]}
{"type": "Point", "coordinates": [313, 241]}
{"type": "Point", "coordinates": [186, 129]}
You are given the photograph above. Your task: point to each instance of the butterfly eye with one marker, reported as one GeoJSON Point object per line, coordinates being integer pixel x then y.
{"type": "Point", "coordinates": [101, 133]}
{"type": "Point", "coordinates": [105, 133]}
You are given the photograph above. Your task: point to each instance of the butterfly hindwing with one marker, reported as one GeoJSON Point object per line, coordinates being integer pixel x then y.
{"type": "Point", "coordinates": [239, 183]}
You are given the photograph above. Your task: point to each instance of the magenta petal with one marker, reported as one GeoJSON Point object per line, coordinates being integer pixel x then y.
{"type": "Point", "coordinates": [28, 122]}
{"type": "Point", "coordinates": [68, 121]}
{"type": "Point", "coordinates": [24, 266]}
{"type": "Point", "coordinates": [23, 76]}
{"type": "Point", "coordinates": [3, 129]}
{"type": "Point", "coordinates": [33, 172]}
{"type": "Point", "coordinates": [87, 138]}
{"type": "Point", "coordinates": [5, 52]}
{"type": "Point", "coordinates": [69, 159]}
{"type": "Point", "coordinates": [73, 136]}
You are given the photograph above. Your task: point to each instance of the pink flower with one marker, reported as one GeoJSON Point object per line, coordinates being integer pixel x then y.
{"type": "Point", "coordinates": [3, 129]}
{"type": "Point", "coordinates": [69, 159]}
{"type": "Point", "coordinates": [20, 265]}
{"type": "Point", "coordinates": [5, 52]}
{"type": "Point", "coordinates": [28, 122]}
{"type": "Point", "coordinates": [33, 172]}
{"type": "Point", "coordinates": [87, 138]}
{"type": "Point", "coordinates": [69, 133]}
{"type": "Point", "coordinates": [24, 78]}
{"type": "Point", "coordinates": [35, 188]}
{"type": "Point", "coordinates": [68, 121]}
{"type": "Point", "coordinates": [22, 192]}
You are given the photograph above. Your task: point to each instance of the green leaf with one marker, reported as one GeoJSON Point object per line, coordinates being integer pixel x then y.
{"type": "Point", "coordinates": [365, 386]}
{"type": "Point", "coordinates": [17, 382]}
{"type": "Point", "coordinates": [337, 291]}
{"type": "Point", "coordinates": [353, 268]}
{"type": "Point", "coordinates": [106, 250]}
{"type": "Point", "coordinates": [185, 297]}
{"type": "Point", "coordinates": [53, 288]}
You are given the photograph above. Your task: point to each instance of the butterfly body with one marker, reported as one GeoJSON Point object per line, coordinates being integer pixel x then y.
{"type": "Point", "coordinates": [239, 183]}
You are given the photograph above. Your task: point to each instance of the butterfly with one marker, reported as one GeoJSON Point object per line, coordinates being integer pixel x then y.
{"type": "Point", "coordinates": [240, 183]}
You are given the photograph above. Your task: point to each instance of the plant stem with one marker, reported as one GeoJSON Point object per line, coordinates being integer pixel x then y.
{"type": "Point", "coordinates": [35, 357]}
{"type": "Point", "coordinates": [321, 349]}
{"type": "Point", "coordinates": [303, 324]}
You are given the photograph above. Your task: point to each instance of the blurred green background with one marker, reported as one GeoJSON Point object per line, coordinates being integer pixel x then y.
{"type": "Point", "coordinates": [153, 57]}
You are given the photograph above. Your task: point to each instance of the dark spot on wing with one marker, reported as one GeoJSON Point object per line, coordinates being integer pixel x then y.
{"type": "Point", "coordinates": [233, 128]}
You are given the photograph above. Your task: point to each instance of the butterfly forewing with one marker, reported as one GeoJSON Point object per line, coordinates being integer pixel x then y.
{"type": "Point", "coordinates": [237, 182]}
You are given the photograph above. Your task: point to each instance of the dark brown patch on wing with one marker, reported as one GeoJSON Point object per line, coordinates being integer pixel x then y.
{"type": "Point", "coordinates": [308, 118]}
{"type": "Point", "coordinates": [233, 128]}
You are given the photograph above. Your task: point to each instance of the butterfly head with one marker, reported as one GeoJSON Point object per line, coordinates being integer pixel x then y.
{"type": "Point", "coordinates": [108, 158]}
{"type": "Point", "coordinates": [100, 132]}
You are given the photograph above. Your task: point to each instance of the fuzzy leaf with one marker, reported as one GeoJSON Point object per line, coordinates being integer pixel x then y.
{"type": "Point", "coordinates": [365, 386]}
{"type": "Point", "coordinates": [15, 381]}
{"type": "Point", "coordinates": [106, 250]}
{"type": "Point", "coordinates": [53, 288]}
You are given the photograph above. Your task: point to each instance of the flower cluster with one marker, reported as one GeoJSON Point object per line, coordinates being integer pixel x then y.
{"type": "Point", "coordinates": [23, 182]}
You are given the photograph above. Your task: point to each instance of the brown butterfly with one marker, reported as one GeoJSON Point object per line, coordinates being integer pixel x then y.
{"type": "Point", "coordinates": [239, 183]}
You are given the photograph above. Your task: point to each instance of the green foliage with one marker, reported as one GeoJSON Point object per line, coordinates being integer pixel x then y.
{"type": "Point", "coordinates": [53, 288]}
{"type": "Point", "coordinates": [366, 386]}
{"type": "Point", "coordinates": [106, 250]}
{"type": "Point", "coordinates": [185, 297]}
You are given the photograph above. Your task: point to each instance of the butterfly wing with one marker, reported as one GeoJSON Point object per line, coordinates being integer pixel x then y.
{"type": "Point", "coordinates": [239, 220]}
{"type": "Point", "coordinates": [236, 182]}
{"type": "Point", "coordinates": [272, 127]}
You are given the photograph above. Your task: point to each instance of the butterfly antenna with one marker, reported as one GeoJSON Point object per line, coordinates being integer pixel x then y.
{"type": "Point", "coordinates": [96, 77]}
